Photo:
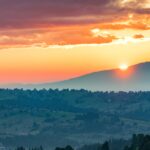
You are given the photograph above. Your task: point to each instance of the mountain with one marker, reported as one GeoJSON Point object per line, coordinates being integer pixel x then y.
{"type": "Point", "coordinates": [135, 78]}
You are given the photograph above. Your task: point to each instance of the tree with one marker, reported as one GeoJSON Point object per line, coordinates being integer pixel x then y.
{"type": "Point", "coordinates": [20, 148]}
{"type": "Point", "coordinates": [59, 148]}
{"type": "Point", "coordinates": [126, 148]}
{"type": "Point", "coordinates": [68, 147]}
{"type": "Point", "coordinates": [105, 146]}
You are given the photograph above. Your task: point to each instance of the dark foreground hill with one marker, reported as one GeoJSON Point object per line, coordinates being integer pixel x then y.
{"type": "Point", "coordinates": [57, 118]}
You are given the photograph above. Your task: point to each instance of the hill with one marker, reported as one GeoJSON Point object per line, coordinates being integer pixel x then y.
{"type": "Point", "coordinates": [136, 78]}
{"type": "Point", "coordinates": [74, 117]}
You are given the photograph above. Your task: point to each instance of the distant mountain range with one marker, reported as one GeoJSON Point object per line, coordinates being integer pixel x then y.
{"type": "Point", "coordinates": [135, 78]}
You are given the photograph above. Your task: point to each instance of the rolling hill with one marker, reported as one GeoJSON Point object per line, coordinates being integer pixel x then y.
{"type": "Point", "coordinates": [136, 78]}
{"type": "Point", "coordinates": [76, 117]}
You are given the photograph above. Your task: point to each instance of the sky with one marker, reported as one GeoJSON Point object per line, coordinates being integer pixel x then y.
{"type": "Point", "coordinates": [53, 40]}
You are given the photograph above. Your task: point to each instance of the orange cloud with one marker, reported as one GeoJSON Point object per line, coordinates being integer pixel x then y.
{"type": "Point", "coordinates": [138, 36]}
{"type": "Point", "coordinates": [65, 22]}
{"type": "Point", "coordinates": [125, 25]}
{"type": "Point", "coordinates": [53, 36]}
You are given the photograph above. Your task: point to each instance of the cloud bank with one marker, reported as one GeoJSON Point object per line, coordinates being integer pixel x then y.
{"type": "Point", "coordinates": [63, 22]}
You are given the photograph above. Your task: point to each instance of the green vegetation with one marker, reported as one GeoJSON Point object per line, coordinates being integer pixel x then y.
{"type": "Point", "coordinates": [76, 117]}
{"type": "Point", "coordinates": [138, 142]}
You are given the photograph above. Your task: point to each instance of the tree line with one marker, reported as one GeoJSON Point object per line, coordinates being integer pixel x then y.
{"type": "Point", "coordinates": [138, 142]}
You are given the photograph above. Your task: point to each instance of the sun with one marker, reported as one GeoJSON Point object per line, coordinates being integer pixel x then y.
{"type": "Point", "coordinates": [123, 67]}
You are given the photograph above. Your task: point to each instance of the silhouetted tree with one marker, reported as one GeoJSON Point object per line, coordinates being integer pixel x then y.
{"type": "Point", "coordinates": [105, 146]}
{"type": "Point", "coordinates": [20, 148]}
{"type": "Point", "coordinates": [68, 147]}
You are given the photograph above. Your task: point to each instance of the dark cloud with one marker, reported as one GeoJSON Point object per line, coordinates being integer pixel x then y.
{"type": "Point", "coordinates": [37, 12]}
{"type": "Point", "coordinates": [33, 13]}
{"type": "Point", "coordinates": [50, 22]}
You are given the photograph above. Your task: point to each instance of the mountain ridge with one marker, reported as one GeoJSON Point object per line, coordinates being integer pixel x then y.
{"type": "Point", "coordinates": [135, 78]}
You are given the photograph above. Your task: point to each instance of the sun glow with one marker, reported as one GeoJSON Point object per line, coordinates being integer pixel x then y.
{"type": "Point", "coordinates": [123, 67]}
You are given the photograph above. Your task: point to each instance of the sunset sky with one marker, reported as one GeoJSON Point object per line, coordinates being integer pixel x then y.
{"type": "Point", "coordinates": [51, 40]}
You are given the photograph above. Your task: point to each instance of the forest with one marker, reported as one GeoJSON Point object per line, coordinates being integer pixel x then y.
{"type": "Point", "coordinates": [75, 117]}
{"type": "Point", "coordinates": [138, 142]}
